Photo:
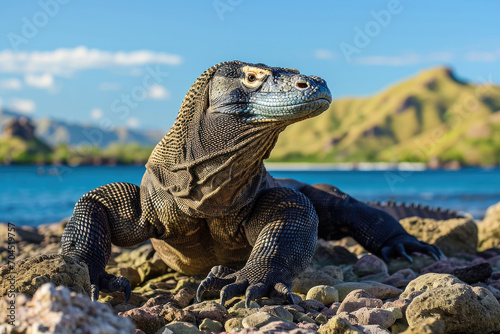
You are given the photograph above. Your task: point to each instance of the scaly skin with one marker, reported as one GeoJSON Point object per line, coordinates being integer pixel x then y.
{"type": "Point", "coordinates": [209, 205]}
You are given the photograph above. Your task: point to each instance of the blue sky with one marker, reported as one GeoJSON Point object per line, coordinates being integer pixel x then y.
{"type": "Point", "coordinates": [130, 63]}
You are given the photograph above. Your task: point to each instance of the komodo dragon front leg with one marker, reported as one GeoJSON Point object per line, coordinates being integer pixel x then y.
{"type": "Point", "coordinates": [108, 214]}
{"type": "Point", "coordinates": [283, 232]}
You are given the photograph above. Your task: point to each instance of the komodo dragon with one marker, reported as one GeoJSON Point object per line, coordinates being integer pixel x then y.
{"type": "Point", "coordinates": [208, 204]}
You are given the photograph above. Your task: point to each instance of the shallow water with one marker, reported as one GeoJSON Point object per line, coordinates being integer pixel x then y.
{"type": "Point", "coordinates": [31, 195]}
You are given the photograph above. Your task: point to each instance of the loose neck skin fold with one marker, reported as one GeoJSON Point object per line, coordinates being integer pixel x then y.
{"type": "Point", "coordinates": [211, 162]}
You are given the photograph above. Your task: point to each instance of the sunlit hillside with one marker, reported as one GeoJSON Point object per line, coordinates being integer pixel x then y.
{"type": "Point", "coordinates": [430, 117]}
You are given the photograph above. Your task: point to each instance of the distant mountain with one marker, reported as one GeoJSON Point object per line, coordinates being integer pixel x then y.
{"type": "Point", "coordinates": [19, 143]}
{"type": "Point", "coordinates": [53, 132]}
{"type": "Point", "coordinates": [430, 117]}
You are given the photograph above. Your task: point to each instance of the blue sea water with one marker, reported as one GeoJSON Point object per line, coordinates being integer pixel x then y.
{"type": "Point", "coordinates": [31, 195]}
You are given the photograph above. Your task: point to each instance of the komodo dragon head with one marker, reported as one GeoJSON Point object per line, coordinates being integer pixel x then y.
{"type": "Point", "coordinates": [229, 121]}
{"type": "Point", "coordinates": [259, 93]}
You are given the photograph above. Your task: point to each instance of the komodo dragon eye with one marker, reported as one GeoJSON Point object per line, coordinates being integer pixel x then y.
{"type": "Point", "coordinates": [254, 76]}
{"type": "Point", "coordinates": [251, 77]}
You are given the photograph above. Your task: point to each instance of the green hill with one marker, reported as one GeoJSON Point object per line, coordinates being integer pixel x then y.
{"type": "Point", "coordinates": [432, 116]}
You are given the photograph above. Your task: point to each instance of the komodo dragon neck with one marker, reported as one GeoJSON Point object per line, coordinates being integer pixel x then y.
{"type": "Point", "coordinates": [211, 163]}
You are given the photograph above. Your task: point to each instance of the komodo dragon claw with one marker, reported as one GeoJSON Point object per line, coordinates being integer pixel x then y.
{"type": "Point", "coordinates": [110, 283]}
{"type": "Point", "coordinates": [407, 243]}
{"type": "Point", "coordinates": [234, 284]}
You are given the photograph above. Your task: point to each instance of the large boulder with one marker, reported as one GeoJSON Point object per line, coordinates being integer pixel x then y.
{"type": "Point", "coordinates": [452, 235]}
{"type": "Point", "coordinates": [461, 307]}
{"type": "Point", "coordinates": [57, 310]}
{"type": "Point", "coordinates": [489, 228]}
{"type": "Point", "coordinates": [33, 272]}
{"type": "Point", "coordinates": [428, 282]}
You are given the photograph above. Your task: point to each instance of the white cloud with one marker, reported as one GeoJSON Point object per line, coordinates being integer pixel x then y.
{"type": "Point", "coordinates": [67, 61]}
{"type": "Point", "coordinates": [23, 106]}
{"type": "Point", "coordinates": [110, 86]}
{"type": "Point", "coordinates": [324, 54]}
{"type": "Point", "coordinates": [482, 56]}
{"type": "Point", "coordinates": [403, 60]}
{"type": "Point", "coordinates": [96, 113]}
{"type": "Point", "coordinates": [158, 92]}
{"type": "Point", "coordinates": [44, 81]}
{"type": "Point", "coordinates": [11, 83]}
{"type": "Point", "coordinates": [133, 122]}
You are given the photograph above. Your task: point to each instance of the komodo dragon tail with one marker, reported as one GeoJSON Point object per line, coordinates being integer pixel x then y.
{"type": "Point", "coordinates": [402, 210]}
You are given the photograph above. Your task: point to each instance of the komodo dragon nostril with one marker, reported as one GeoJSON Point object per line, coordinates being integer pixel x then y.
{"type": "Point", "coordinates": [301, 84]}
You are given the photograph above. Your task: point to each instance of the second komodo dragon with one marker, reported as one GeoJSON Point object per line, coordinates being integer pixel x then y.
{"type": "Point", "coordinates": [208, 204]}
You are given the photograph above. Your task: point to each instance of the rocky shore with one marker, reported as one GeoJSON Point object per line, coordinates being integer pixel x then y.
{"type": "Point", "coordinates": [345, 290]}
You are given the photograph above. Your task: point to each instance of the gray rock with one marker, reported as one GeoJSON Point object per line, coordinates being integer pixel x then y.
{"type": "Point", "coordinates": [184, 296]}
{"type": "Point", "coordinates": [396, 311]}
{"type": "Point", "coordinates": [374, 329]}
{"type": "Point", "coordinates": [428, 282]}
{"type": "Point", "coordinates": [175, 314]}
{"type": "Point", "coordinates": [59, 269]}
{"type": "Point", "coordinates": [489, 228]}
{"type": "Point", "coordinates": [323, 293]}
{"type": "Point", "coordinates": [305, 328]}
{"type": "Point", "coordinates": [358, 299]}
{"type": "Point", "coordinates": [376, 289]}
{"type": "Point", "coordinates": [302, 317]}
{"type": "Point", "coordinates": [208, 309]}
{"type": "Point", "coordinates": [311, 278]}
{"type": "Point", "coordinates": [370, 316]}
{"type": "Point", "coordinates": [460, 307]}
{"type": "Point", "coordinates": [233, 323]}
{"type": "Point", "coordinates": [439, 267]}
{"type": "Point", "coordinates": [327, 253]}
{"type": "Point", "coordinates": [179, 327]}
{"type": "Point", "coordinates": [259, 319]}
{"type": "Point", "coordinates": [334, 271]}
{"type": "Point", "coordinates": [401, 304]}
{"type": "Point", "coordinates": [241, 304]}
{"type": "Point", "coordinates": [428, 326]}
{"type": "Point", "coordinates": [369, 265]}
{"type": "Point", "coordinates": [311, 304]}
{"type": "Point", "coordinates": [23, 233]}
{"type": "Point", "coordinates": [451, 236]}
{"type": "Point", "coordinates": [58, 310]}
{"type": "Point", "coordinates": [419, 262]}
{"type": "Point", "coordinates": [278, 311]}
{"type": "Point", "coordinates": [473, 274]}
{"type": "Point", "coordinates": [147, 319]}
{"type": "Point", "coordinates": [210, 325]}
{"type": "Point", "coordinates": [401, 278]}
{"type": "Point", "coordinates": [278, 326]}
{"type": "Point", "coordinates": [321, 319]}
{"type": "Point", "coordinates": [495, 292]}
{"type": "Point", "coordinates": [130, 273]}
{"type": "Point", "coordinates": [337, 325]}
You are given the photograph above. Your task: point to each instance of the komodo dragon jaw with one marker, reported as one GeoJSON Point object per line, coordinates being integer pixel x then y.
{"type": "Point", "coordinates": [208, 204]}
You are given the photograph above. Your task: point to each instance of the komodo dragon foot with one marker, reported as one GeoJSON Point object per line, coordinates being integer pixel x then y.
{"type": "Point", "coordinates": [245, 281]}
{"type": "Point", "coordinates": [404, 244]}
{"type": "Point", "coordinates": [110, 283]}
